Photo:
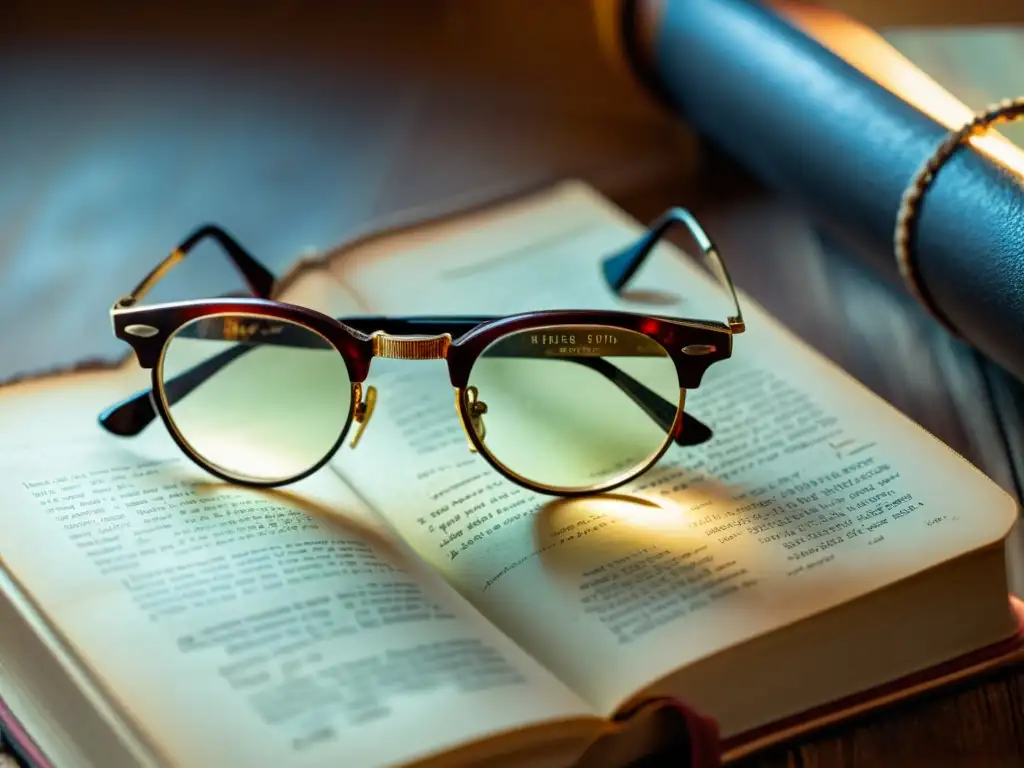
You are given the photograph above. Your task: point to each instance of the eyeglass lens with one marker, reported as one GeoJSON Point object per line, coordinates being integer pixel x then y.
{"type": "Point", "coordinates": [545, 404]}
{"type": "Point", "coordinates": [278, 403]}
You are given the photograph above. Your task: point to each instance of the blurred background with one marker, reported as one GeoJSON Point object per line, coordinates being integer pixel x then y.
{"type": "Point", "coordinates": [296, 123]}
{"type": "Point", "coordinates": [292, 124]}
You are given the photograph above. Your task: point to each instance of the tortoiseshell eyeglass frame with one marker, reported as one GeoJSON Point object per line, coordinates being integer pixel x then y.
{"type": "Point", "coordinates": [692, 344]}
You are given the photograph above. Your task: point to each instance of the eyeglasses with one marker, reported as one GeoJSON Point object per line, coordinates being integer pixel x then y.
{"type": "Point", "coordinates": [263, 393]}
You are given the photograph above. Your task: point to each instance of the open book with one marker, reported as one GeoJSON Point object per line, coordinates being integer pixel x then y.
{"type": "Point", "coordinates": [406, 605]}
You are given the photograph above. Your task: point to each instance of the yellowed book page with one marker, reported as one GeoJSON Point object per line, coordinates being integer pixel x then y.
{"type": "Point", "coordinates": [240, 627]}
{"type": "Point", "coordinates": [811, 492]}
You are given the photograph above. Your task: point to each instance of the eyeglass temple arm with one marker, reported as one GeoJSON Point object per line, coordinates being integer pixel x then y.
{"type": "Point", "coordinates": [134, 414]}
{"type": "Point", "coordinates": [620, 267]}
{"type": "Point", "coordinates": [260, 280]}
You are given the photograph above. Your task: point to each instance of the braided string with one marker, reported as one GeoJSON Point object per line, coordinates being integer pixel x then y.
{"type": "Point", "coordinates": [1005, 111]}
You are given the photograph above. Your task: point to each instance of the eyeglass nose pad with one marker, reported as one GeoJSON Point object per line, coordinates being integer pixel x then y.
{"type": "Point", "coordinates": [362, 410]}
{"type": "Point", "coordinates": [476, 408]}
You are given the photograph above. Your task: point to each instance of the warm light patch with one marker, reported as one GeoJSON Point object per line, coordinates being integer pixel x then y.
{"type": "Point", "coordinates": [871, 54]}
{"type": "Point", "coordinates": [642, 518]}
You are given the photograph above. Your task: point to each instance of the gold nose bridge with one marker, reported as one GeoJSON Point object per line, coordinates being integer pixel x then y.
{"type": "Point", "coordinates": [411, 347]}
{"type": "Point", "coordinates": [396, 348]}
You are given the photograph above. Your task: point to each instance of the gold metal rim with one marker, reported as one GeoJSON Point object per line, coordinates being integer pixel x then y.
{"type": "Point", "coordinates": [214, 466]}
{"type": "Point", "coordinates": [619, 480]}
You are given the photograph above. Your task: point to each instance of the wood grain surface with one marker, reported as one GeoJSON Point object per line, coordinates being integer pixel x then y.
{"type": "Point", "coordinates": [295, 124]}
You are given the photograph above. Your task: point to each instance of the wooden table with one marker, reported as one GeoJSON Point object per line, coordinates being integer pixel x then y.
{"type": "Point", "coordinates": [296, 123]}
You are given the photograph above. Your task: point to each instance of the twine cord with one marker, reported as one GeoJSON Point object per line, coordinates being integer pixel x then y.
{"type": "Point", "coordinates": [1005, 111]}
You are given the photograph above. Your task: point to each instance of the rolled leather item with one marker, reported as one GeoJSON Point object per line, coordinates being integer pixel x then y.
{"type": "Point", "coordinates": [764, 87]}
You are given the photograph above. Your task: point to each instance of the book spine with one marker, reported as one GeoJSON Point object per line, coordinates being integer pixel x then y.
{"type": "Point", "coordinates": [704, 748]}
{"type": "Point", "coordinates": [810, 125]}
{"type": "Point", "coordinates": [687, 738]}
